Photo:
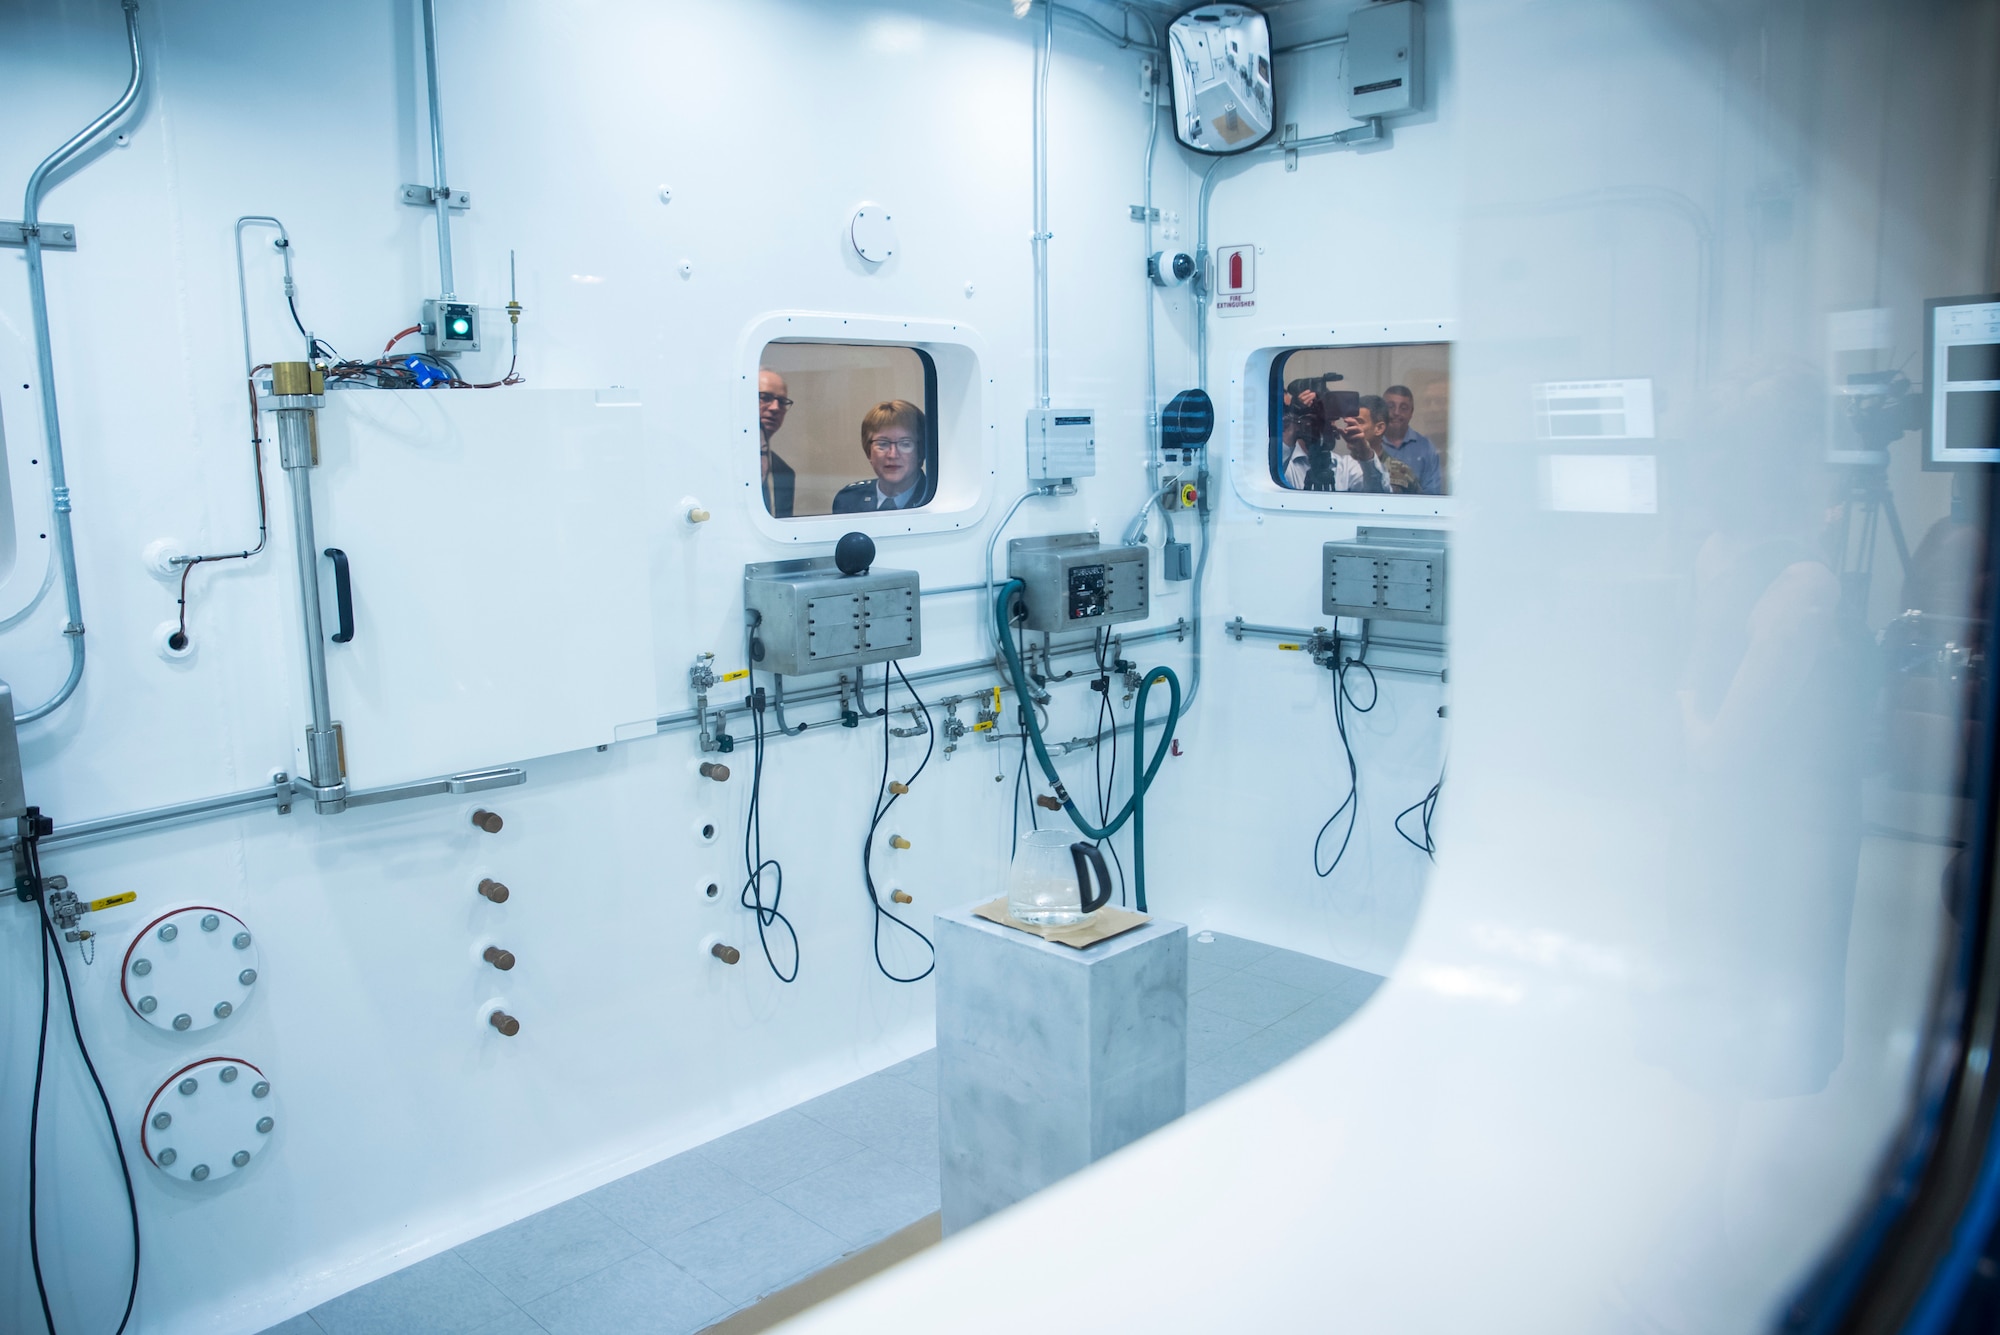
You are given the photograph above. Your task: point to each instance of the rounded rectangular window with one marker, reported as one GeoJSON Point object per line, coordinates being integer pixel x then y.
{"type": "Point", "coordinates": [846, 428]}
{"type": "Point", "coordinates": [1363, 419]}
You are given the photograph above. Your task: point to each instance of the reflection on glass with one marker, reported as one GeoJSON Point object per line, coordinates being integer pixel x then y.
{"type": "Point", "coordinates": [845, 428]}
{"type": "Point", "coordinates": [1366, 419]}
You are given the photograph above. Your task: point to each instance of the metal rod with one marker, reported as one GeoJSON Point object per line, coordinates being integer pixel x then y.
{"type": "Point", "coordinates": [242, 284]}
{"type": "Point", "coordinates": [38, 304]}
{"type": "Point", "coordinates": [1041, 237]}
{"type": "Point", "coordinates": [441, 191]}
{"type": "Point", "coordinates": [1238, 628]}
{"type": "Point", "coordinates": [1309, 46]}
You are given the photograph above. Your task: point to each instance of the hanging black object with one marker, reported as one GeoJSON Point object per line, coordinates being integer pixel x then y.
{"type": "Point", "coordinates": [1188, 421]}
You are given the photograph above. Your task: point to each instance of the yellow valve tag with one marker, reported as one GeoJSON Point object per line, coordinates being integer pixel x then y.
{"type": "Point", "coordinates": [996, 699]}
{"type": "Point", "coordinates": [1291, 646]}
{"type": "Point", "coordinates": [983, 727]}
{"type": "Point", "coordinates": [737, 675]}
{"type": "Point", "coordinates": [114, 901]}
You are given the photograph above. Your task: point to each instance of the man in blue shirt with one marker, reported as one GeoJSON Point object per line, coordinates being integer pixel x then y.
{"type": "Point", "coordinates": [1412, 447]}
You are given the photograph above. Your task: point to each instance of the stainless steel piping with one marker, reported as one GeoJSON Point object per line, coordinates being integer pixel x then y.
{"type": "Point", "coordinates": [242, 283]}
{"type": "Point", "coordinates": [1041, 235]}
{"type": "Point", "coordinates": [440, 192]}
{"type": "Point", "coordinates": [38, 302]}
{"type": "Point", "coordinates": [294, 403]}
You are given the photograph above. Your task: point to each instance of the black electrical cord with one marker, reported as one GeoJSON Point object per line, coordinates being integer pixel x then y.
{"type": "Point", "coordinates": [1427, 804]}
{"type": "Point", "coordinates": [51, 941]}
{"type": "Point", "coordinates": [1350, 806]}
{"type": "Point", "coordinates": [179, 639]}
{"type": "Point", "coordinates": [1021, 771]}
{"type": "Point", "coordinates": [1106, 786]}
{"type": "Point", "coordinates": [755, 865]}
{"type": "Point", "coordinates": [881, 810]}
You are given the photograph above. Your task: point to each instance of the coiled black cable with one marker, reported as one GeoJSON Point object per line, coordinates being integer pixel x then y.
{"type": "Point", "coordinates": [1428, 805]}
{"type": "Point", "coordinates": [49, 941]}
{"type": "Point", "coordinates": [881, 810]}
{"type": "Point", "coordinates": [755, 865]}
{"type": "Point", "coordinates": [1106, 784]}
{"type": "Point", "coordinates": [1350, 806]}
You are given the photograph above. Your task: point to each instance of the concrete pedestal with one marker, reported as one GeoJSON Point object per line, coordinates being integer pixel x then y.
{"type": "Point", "coordinates": [1050, 1058]}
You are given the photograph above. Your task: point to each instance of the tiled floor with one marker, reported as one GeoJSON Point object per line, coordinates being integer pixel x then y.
{"type": "Point", "coordinates": [678, 1246]}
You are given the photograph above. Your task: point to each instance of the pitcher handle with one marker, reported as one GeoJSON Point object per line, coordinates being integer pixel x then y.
{"type": "Point", "coordinates": [1081, 850]}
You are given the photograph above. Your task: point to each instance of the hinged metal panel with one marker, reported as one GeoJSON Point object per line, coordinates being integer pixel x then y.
{"type": "Point", "coordinates": [1073, 582]}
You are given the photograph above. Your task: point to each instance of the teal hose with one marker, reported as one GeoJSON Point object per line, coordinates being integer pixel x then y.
{"type": "Point", "coordinates": [1134, 809]}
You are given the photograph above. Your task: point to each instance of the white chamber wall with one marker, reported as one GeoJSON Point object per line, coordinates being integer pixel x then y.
{"type": "Point", "coordinates": [405, 1125]}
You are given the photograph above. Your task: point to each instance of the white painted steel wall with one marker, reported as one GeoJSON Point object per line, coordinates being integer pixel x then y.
{"type": "Point", "coordinates": [406, 1125]}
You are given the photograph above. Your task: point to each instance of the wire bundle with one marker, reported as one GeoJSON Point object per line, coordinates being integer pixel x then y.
{"type": "Point", "coordinates": [755, 865]}
{"type": "Point", "coordinates": [1427, 804]}
{"type": "Point", "coordinates": [882, 806]}
{"type": "Point", "coordinates": [1350, 806]}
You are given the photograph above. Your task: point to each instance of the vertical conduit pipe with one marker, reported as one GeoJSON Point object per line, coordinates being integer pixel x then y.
{"type": "Point", "coordinates": [38, 302]}
{"type": "Point", "coordinates": [440, 191]}
{"type": "Point", "coordinates": [1041, 237]}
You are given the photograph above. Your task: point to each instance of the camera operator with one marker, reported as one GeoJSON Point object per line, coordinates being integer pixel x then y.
{"type": "Point", "coordinates": [1309, 462]}
{"type": "Point", "coordinates": [1362, 437]}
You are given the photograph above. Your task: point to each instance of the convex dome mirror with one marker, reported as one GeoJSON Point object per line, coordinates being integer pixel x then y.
{"type": "Point", "coordinates": [1221, 57]}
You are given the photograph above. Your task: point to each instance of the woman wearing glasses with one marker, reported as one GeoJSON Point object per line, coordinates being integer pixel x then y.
{"type": "Point", "coordinates": [892, 436]}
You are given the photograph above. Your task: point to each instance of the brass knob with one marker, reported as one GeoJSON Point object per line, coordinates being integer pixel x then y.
{"type": "Point", "coordinates": [901, 896]}
{"type": "Point", "coordinates": [711, 769]}
{"type": "Point", "coordinates": [1047, 803]}
{"type": "Point", "coordinates": [898, 788]}
{"type": "Point", "coordinates": [697, 515]}
{"type": "Point", "coordinates": [898, 841]}
{"type": "Point", "coordinates": [488, 821]}
{"type": "Point", "coordinates": [494, 891]}
{"type": "Point", "coordinates": [502, 960]}
{"type": "Point", "coordinates": [727, 954]}
{"type": "Point", "coordinates": [504, 1022]}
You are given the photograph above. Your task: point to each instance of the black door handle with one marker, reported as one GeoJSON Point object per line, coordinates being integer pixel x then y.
{"type": "Point", "coordinates": [343, 595]}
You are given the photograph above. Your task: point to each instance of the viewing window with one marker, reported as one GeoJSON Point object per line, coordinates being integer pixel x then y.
{"type": "Point", "coordinates": [846, 428]}
{"type": "Point", "coordinates": [1363, 419]}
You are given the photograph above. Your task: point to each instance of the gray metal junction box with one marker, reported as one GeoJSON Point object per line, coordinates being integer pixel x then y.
{"type": "Point", "coordinates": [1385, 574]}
{"type": "Point", "coordinates": [812, 618]}
{"type": "Point", "coordinates": [1075, 583]}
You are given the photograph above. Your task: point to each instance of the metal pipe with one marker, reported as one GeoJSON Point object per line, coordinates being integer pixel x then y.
{"type": "Point", "coordinates": [38, 304]}
{"type": "Point", "coordinates": [440, 191]}
{"type": "Point", "coordinates": [242, 284]}
{"type": "Point", "coordinates": [1239, 628]}
{"type": "Point", "coordinates": [295, 452]}
{"type": "Point", "coordinates": [1041, 235]}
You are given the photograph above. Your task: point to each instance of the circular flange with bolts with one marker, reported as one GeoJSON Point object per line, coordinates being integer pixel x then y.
{"type": "Point", "coordinates": [189, 969]}
{"type": "Point", "coordinates": [209, 1119]}
{"type": "Point", "coordinates": [872, 231]}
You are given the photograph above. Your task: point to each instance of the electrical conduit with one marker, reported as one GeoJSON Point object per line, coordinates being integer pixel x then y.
{"type": "Point", "coordinates": [38, 302]}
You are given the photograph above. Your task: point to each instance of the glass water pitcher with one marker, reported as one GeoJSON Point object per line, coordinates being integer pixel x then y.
{"type": "Point", "coordinates": [1048, 883]}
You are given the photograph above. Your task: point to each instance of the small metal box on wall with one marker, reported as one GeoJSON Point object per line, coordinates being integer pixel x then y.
{"type": "Point", "coordinates": [1075, 583]}
{"type": "Point", "coordinates": [1062, 444]}
{"type": "Point", "coordinates": [1385, 575]}
{"type": "Point", "coordinates": [1385, 59]}
{"type": "Point", "coordinates": [812, 618]}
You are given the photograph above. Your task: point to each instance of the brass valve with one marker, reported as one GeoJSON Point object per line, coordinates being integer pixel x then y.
{"type": "Point", "coordinates": [901, 896]}
{"type": "Point", "coordinates": [504, 1022]}
{"type": "Point", "coordinates": [711, 769]}
{"type": "Point", "coordinates": [1047, 803]}
{"type": "Point", "coordinates": [502, 960]}
{"type": "Point", "coordinates": [898, 841]}
{"type": "Point", "coordinates": [898, 788]}
{"type": "Point", "coordinates": [488, 821]}
{"type": "Point", "coordinates": [727, 954]}
{"type": "Point", "coordinates": [493, 890]}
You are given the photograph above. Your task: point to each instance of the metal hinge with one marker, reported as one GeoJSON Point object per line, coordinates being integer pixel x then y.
{"type": "Point", "coordinates": [424, 196]}
{"type": "Point", "coordinates": [55, 236]}
{"type": "Point", "coordinates": [1140, 213]}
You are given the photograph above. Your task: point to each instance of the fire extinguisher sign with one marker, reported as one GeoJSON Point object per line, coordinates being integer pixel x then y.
{"type": "Point", "coordinates": [1235, 280]}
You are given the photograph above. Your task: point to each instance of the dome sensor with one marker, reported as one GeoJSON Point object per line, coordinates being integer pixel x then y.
{"type": "Point", "coordinates": [854, 553]}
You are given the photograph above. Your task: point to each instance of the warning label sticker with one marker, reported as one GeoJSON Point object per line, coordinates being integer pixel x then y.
{"type": "Point", "coordinates": [1235, 279]}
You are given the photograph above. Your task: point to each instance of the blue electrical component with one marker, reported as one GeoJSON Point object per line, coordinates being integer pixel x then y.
{"type": "Point", "coordinates": [427, 375]}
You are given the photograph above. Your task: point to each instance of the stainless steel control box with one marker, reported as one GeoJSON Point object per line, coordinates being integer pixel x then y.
{"type": "Point", "coordinates": [1385, 575]}
{"type": "Point", "coordinates": [1072, 582]}
{"type": "Point", "coordinates": [812, 618]}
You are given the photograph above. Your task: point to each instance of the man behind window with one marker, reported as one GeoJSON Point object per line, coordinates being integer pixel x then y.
{"type": "Point", "coordinates": [892, 437]}
{"type": "Point", "coordinates": [1413, 448]}
{"type": "Point", "coordinates": [780, 479]}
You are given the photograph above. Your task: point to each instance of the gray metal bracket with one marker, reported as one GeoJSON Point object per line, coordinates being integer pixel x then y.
{"type": "Point", "coordinates": [55, 236]}
{"type": "Point", "coordinates": [424, 196]}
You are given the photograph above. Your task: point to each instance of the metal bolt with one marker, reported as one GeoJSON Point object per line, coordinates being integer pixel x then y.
{"type": "Point", "coordinates": [189, 1085]}
{"type": "Point", "coordinates": [504, 1022]}
{"type": "Point", "coordinates": [265, 1124]}
{"type": "Point", "coordinates": [142, 967]}
{"type": "Point", "coordinates": [488, 821]}
{"type": "Point", "coordinates": [200, 1173]}
{"type": "Point", "coordinates": [502, 960]}
{"type": "Point", "coordinates": [147, 1005]}
{"type": "Point", "coordinates": [169, 932]}
{"type": "Point", "coordinates": [260, 1089]}
{"type": "Point", "coordinates": [161, 1121]}
{"type": "Point", "coordinates": [493, 890]}
{"type": "Point", "coordinates": [727, 954]}
{"type": "Point", "coordinates": [209, 922]}
{"type": "Point", "coordinates": [240, 1158]}
{"type": "Point", "coordinates": [247, 977]}
{"type": "Point", "coordinates": [183, 1020]}
{"type": "Point", "coordinates": [241, 941]}
{"type": "Point", "coordinates": [165, 1158]}
{"type": "Point", "coordinates": [229, 1074]}
{"type": "Point", "coordinates": [223, 1010]}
